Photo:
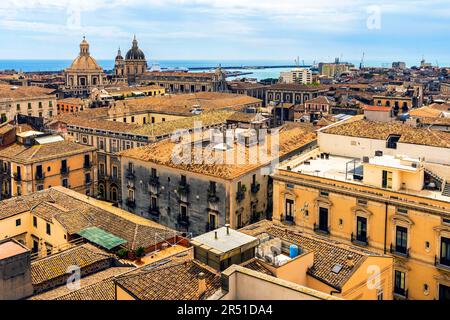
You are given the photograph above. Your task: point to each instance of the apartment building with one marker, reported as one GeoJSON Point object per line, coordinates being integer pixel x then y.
{"type": "Point", "coordinates": [31, 101]}
{"type": "Point", "coordinates": [36, 161]}
{"type": "Point", "coordinates": [380, 186]}
{"type": "Point", "coordinates": [297, 75]}
{"type": "Point", "coordinates": [160, 183]}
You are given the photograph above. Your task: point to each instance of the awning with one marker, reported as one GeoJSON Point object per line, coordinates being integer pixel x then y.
{"type": "Point", "coordinates": [101, 237]}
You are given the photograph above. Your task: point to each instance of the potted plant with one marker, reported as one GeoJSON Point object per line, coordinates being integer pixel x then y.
{"type": "Point", "coordinates": [139, 253]}
{"type": "Point", "coordinates": [122, 253]}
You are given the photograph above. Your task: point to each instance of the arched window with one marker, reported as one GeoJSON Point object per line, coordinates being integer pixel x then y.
{"type": "Point", "coordinates": [114, 194]}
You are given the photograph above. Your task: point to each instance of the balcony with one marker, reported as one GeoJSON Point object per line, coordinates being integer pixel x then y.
{"type": "Point", "coordinates": [154, 211]}
{"type": "Point", "coordinates": [129, 174]}
{"type": "Point", "coordinates": [255, 187]}
{"type": "Point", "coordinates": [154, 181]}
{"type": "Point", "coordinates": [442, 263]}
{"type": "Point", "coordinates": [39, 176]}
{"type": "Point", "coordinates": [399, 251]}
{"type": "Point", "coordinates": [322, 230]}
{"type": "Point", "coordinates": [183, 220]}
{"type": "Point", "coordinates": [240, 195]}
{"type": "Point", "coordinates": [359, 240]}
{"type": "Point", "coordinates": [87, 165]}
{"type": "Point", "coordinates": [65, 170]}
{"type": "Point", "coordinates": [183, 189]}
{"type": "Point", "coordinates": [212, 196]}
{"type": "Point", "coordinates": [131, 203]}
{"type": "Point", "coordinates": [287, 219]}
{"type": "Point", "coordinates": [400, 294]}
{"type": "Point", "coordinates": [17, 177]}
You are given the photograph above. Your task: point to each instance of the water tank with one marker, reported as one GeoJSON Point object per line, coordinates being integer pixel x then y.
{"type": "Point", "coordinates": [293, 251]}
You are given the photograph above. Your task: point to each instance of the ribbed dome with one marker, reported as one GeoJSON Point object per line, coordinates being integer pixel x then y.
{"type": "Point", "coordinates": [85, 63]}
{"type": "Point", "coordinates": [135, 53]}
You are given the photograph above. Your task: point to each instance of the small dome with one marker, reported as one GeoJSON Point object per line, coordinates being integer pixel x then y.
{"type": "Point", "coordinates": [135, 53]}
{"type": "Point", "coordinates": [119, 55]}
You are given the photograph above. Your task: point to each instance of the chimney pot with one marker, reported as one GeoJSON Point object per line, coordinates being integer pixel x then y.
{"type": "Point", "coordinates": [215, 235]}
{"type": "Point", "coordinates": [228, 228]}
{"type": "Point", "coordinates": [201, 284]}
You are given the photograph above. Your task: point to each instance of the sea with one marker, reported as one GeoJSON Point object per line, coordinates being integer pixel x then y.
{"type": "Point", "coordinates": [256, 73]}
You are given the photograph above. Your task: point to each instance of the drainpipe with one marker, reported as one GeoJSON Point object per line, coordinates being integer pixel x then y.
{"type": "Point", "coordinates": [385, 225]}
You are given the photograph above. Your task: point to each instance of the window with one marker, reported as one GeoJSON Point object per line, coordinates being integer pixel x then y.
{"type": "Point", "coordinates": [399, 283]}
{"type": "Point", "coordinates": [29, 105]}
{"type": "Point", "coordinates": [18, 107]}
{"type": "Point", "coordinates": [65, 183]}
{"type": "Point", "coordinates": [289, 210]}
{"type": "Point", "coordinates": [212, 221]}
{"type": "Point", "coordinates": [87, 161]}
{"type": "Point", "coordinates": [386, 179]}
{"type": "Point", "coordinates": [361, 229]}
{"type": "Point", "coordinates": [48, 229]}
{"type": "Point", "coordinates": [323, 219]}
{"type": "Point", "coordinates": [114, 172]}
{"type": "Point", "coordinates": [35, 222]}
{"type": "Point", "coordinates": [101, 169]}
{"type": "Point", "coordinates": [132, 119]}
{"type": "Point", "coordinates": [40, 105]}
{"type": "Point", "coordinates": [212, 187]}
{"type": "Point", "coordinates": [130, 167]}
{"type": "Point", "coordinates": [131, 194]}
{"type": "Point", "coordinates": [445, 251]}
{"type": "Point", "coordinates": [40, 187]}
{"type": "Point", "coordinates": [401, 240]}
{"type": "Point", "coordinates": [183, 179]}
{"type": "Point", "coordinates": [183, 212]}
{"type": "Point", "coordinates": [87, 178]}
{"type": "Point", "coordinates": [402, 210]}
{"type": "Point", "coordinates": [18, 222]}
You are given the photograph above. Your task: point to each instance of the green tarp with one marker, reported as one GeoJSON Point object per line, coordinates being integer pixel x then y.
{"type": "Point", "coordinates": [101, 237]}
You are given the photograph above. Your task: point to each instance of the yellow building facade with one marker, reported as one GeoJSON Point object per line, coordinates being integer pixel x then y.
{"type": "Point", "coordinates": [387, 211]}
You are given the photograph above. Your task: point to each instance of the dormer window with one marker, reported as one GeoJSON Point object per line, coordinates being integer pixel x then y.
{"type": "Point", "coordinates": [392, 141]}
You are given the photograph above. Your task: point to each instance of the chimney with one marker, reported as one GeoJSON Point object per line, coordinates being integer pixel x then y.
{"type": "Point", "coordinates": [349, 262]}
{"type": "Point", "coordinates": [228, 228]}
{"type": "Point", "coordinates": [215, 235]}
{"type": "Point", "coordinates": [201, 284]}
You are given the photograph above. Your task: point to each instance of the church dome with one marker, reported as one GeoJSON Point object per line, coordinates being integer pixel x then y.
{"type": "Point", "coordinates": [84, 61]}
{"type": "Point", "coordinates": [135, 53]}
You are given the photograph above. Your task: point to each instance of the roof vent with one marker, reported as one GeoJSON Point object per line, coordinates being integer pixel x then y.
{"type": "Point", "coordinates": [350, 262]}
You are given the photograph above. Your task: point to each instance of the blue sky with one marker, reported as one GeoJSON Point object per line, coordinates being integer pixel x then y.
{"type": "Point", "coordinates": [229, 29]}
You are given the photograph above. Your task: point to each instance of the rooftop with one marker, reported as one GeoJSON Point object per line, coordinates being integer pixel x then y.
{"type": "Point", "coordinates": [97, 286]}
{"type": "Point", "coordinates": [76, 212]}
{"type": "Point", "coordinates": [20, 153]}
{"type": "Point", "coordinates": [56, 265]}
{"type": "Point", "coordinates": [351, 170]}
{"type": "Point", "coordinates": [10, 249]}
{"type": "Point", "coordinates": [173, 279]}
{"type": "Point", "coordinates": [23, 92]}
{"type": "Point", "coordinates": [291, 138]}
{"type": "Point", "coordinates": [382, 130]}
{"type": "Point", "coordinates": [327, 253]}
{"type": "Point", "coordinates": [222, 240]}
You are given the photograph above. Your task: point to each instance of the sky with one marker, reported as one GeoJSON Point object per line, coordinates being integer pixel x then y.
{"type": "Point", "coordinates": [317, 30]}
